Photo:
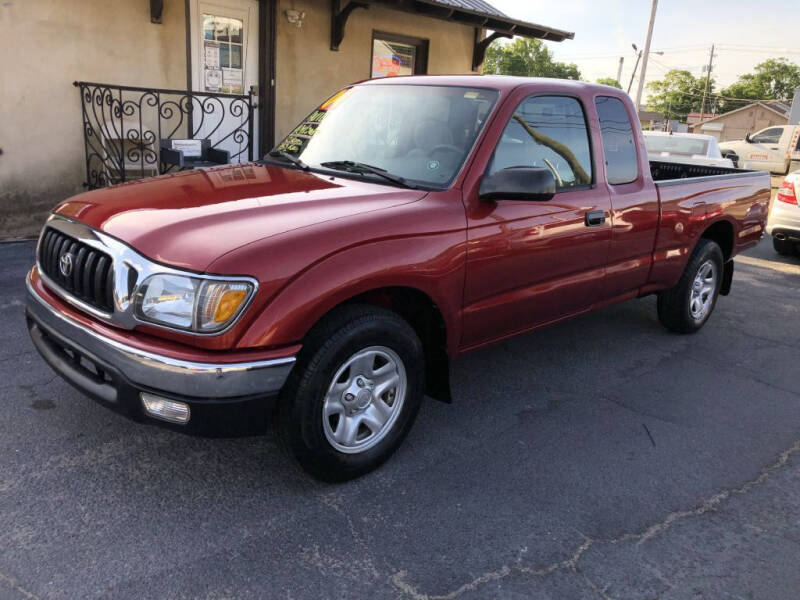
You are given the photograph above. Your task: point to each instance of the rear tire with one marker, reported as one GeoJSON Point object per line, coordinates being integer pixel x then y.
{"type": "Point", "coordinates": [686, 307]}
{"type": "Point", "coordinates": [353, 394]}
{"type": "Point", "coordinates": [783, 247]}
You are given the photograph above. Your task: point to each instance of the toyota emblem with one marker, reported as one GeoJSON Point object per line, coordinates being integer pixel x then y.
{"type": "Point", "coordinates": [65, 264]}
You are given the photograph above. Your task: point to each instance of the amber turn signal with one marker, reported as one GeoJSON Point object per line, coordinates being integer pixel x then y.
{"type": "Point", "coordinates": [228, 304]}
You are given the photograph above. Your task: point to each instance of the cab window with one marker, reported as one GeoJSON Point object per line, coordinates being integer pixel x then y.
{"type": "Point", "coordinates": [548, 132]}
{"type": "Point", "coordinates": [619, 145]}
{"type": "Point", "coordinates": [768, 136]}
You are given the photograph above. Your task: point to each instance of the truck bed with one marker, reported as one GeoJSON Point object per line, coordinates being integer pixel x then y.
{"type": "Point", "coordinates": [663, 172]}
{"type": "Point", "coordinates": [690, 195]}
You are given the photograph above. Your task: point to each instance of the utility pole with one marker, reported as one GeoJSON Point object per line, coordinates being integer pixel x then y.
{"type": "Point", "coordinates": [646, 53]}
{"type": "Point", "coordinates": [635, 66]}
{"type": "Point", "coordinates": [794, 115]}
{"type": "Point", "coordinates": [619, 70]}
{"type": "Point", "coordinates": [708, 80]}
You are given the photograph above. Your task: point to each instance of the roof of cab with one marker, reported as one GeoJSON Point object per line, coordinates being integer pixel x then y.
{"type": "Point", "coordinates": [498, 82]}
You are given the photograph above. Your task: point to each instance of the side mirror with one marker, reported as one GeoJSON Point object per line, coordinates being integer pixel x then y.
{"type": "Point", "coordinates": [747, 138]}
{"type": "Point", "coordinates": [518, 183]}
{"type": "Point", "coordinates": [732, 156]}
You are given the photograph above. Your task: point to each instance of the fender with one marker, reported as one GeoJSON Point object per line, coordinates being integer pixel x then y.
{"type": "Point", "coordinates": [433, 265]}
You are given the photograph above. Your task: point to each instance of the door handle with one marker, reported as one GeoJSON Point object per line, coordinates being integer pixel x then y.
{"type": "Point", "coordinates": [595, 218]}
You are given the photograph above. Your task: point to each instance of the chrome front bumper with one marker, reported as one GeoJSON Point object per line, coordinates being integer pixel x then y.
{"type": "Point", "coordinates": [53, 331]}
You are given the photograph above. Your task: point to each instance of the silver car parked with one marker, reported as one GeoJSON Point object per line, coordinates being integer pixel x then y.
{"type": "Point", "coordinates": [783, 223]}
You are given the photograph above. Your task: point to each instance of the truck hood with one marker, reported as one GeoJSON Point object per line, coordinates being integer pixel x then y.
{"type": "Point", "coordinates": [191, 218]}
{"type": "Point", "coordinates": [733, 145]}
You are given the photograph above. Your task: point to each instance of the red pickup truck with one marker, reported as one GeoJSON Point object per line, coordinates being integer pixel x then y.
{"type": "Point", "coordinates": [406, 221]}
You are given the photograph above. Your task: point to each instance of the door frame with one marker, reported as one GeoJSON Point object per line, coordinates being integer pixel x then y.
{"type": "Point", "coordinates": [267, 35]}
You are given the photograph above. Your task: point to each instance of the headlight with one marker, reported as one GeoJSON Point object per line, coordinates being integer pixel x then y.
{"type": "Point", "coordinates": [192, 303]}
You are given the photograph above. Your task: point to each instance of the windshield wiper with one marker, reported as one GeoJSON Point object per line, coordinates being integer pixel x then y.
{"type": "Point", "coordinates": [291, 158]}
{"type": "Point", "coordinates": [355, 167]}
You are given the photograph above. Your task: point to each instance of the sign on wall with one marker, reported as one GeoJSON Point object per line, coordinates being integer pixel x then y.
{"type": "Point", "coordinates": [392, 59]}
{"type": "Point", "coordinates": [212, 75]}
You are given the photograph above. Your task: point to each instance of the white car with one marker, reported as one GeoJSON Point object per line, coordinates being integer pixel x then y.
{"type": "Point", "coordinates": [775, 149]}
{"type": "Point", "coordinates": [685, 148]}
{"type": "Point", "coordinates": [783, 223]}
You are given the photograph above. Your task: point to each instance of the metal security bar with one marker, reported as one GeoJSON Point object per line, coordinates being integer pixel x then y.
{"type": "Point", "coordinates": [123, 127]}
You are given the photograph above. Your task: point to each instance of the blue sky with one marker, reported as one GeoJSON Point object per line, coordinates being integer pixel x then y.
{"type": "Point", "coordinates": [745, 33]}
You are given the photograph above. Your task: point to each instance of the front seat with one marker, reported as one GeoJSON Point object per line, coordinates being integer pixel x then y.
{"type": "Point", "coordinates": [428, 134]}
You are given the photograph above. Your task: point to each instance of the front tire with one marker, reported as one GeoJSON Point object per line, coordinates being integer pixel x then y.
{"type": "Point", "coordinates": [686, 307]}
{"type": "Point", "coordinates": [354, 393]}
{"type": "Point", "coordinates": [783, 247]}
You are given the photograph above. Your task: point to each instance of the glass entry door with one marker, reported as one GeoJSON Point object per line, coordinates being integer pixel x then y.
{"type": "Point", "coordinates": [225, 46]}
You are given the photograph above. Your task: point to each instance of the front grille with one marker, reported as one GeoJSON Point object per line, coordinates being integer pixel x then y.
{"type": "Point", "coordinates": [91, 278]}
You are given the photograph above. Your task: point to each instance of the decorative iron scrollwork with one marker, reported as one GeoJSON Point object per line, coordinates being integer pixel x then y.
{"type": "Point", "coordinates": [123, 127]}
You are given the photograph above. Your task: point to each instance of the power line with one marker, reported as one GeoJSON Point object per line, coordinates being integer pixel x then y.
{"type": "Point", "coordinates": [690, 49]}
{"type": "Point", "coordinates": [728, 98]}
{"type": "Point", "coordinates": [759, 47]}
{"type": "Point", "coordinates": [708, 79]}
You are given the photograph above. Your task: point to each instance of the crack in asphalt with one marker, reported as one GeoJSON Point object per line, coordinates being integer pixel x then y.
{"type": "Point", "coordinates": [30, 387]}
{"type": "Point", "coordinates": [571, 564]}
{"type": "Point", "coordinates": [333, 501]}
{"type": "Point", "coordinates": [12, 583]}
{"type": "Point", "coordinates": [18, 355]}
{"type": "Point", "coordinates": [736, 370]}
{"type": "Point", "coordinates": [638, 411]}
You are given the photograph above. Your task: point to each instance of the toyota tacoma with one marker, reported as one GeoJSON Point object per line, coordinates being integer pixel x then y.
{"type": "Point", "coordinates": [327, 287]}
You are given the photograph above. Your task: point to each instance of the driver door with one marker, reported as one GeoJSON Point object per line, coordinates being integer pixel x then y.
{"type": "Point", "coordinates": [533, 262]}
{"type": "Point", "coordinates": [764, 151]}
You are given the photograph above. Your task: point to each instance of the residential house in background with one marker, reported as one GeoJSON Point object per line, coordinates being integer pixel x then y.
{"type": "Point", "coordinates": [651, 120]}
{"type": "Point", "coordinates": [695, 117]}
{"type": "Point", "coordinates": [656, 121]}
{"type": "Point", "coordinates": [733, 125]}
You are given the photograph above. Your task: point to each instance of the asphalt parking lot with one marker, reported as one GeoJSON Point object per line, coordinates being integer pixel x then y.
{"type": "Point", "coordinates": [600, 458]}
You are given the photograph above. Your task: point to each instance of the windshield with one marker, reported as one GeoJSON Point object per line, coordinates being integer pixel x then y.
{"type": "Point", "coordinates": [675, 145]}
{"type": "Point", "coordinates": [421, 133]}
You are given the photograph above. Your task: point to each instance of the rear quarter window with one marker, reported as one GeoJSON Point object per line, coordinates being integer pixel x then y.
{"type": "Point", "coordinates": [619, 143]}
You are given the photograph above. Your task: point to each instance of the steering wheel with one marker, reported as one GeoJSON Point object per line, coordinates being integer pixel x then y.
{"type": "Point", "coordinates": [447, 147]}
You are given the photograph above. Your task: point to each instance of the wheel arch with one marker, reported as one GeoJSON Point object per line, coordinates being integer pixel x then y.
{"type": "Point", "coordinates": [424, 315]}
{"type": "Point", "coordinates": [427, 296]}
{"type": "Point", "coordinates": [722, 233]}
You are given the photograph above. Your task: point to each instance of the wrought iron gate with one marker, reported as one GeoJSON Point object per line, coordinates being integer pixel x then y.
{"type": "Point", "coordinates": [123, 127]}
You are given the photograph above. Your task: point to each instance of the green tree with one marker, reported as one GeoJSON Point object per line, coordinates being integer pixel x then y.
{"type": "Point", "coordinates": [678, 94]}
{"type": "Point", "coordinates": [529, 58]}
{"type": "Point", "coordinates": [773, 79]}
{"type": "Point", "coordinates": [609, 81]}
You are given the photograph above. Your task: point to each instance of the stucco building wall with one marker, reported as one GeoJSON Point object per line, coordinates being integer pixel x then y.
{"type": "Point", "coordinates": [308, 72]}
{"type": "Point", "coordinates": [48, 44]}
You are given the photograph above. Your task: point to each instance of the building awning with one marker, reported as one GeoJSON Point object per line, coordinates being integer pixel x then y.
{"type": "Point", "coordinates": [476, 13]}
{"type": "Point", "coordinates": [483, 14]}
